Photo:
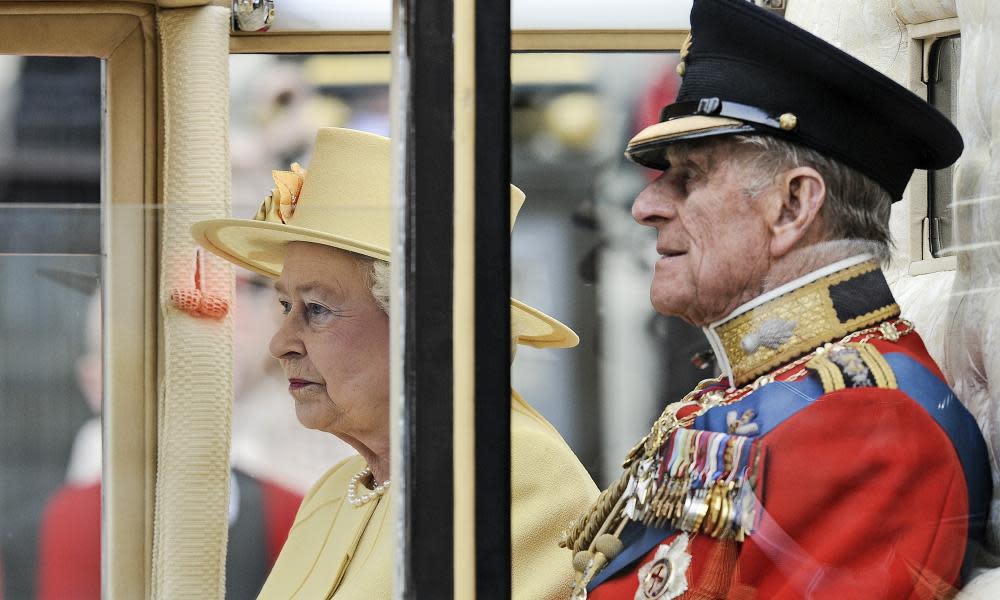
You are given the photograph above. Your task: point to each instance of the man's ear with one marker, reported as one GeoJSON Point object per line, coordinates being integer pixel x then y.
{"type": "Point", "coordinates": [802, 192]}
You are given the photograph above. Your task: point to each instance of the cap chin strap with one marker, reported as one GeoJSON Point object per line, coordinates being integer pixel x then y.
{"type": "Point", "coordinates": [714, 107]}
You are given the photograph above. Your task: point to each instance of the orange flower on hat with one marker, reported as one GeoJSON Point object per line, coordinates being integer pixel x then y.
{"type": "Point", "coordinates": [280, 203]}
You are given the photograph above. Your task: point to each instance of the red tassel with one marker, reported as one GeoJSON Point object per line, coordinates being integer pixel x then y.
{"type": "Point", "coordinates": [196, 302]}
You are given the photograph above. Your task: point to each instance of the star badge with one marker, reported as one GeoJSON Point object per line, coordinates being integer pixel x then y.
{"type": "Point", "coordinates": [665, 577]}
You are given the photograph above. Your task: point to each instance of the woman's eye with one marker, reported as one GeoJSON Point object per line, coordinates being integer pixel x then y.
{"type": "Point", "coordinates": [317, 310]}
{"type": "Point", "coordinates": [286, 306]}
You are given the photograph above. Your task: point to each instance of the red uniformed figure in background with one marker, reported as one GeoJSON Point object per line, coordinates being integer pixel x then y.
{"type": "Point", "coordinates": [830, 459]}
{"type": "Point", "coordinates": [261, 511]}
{"type": "Point", "coordinates": [69, 561]}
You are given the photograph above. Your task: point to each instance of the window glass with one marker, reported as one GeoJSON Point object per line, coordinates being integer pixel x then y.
{"type": "Point", "coordinates": [942, 92]}
{"type": "Point", "coordinates": [50, 326]}
{"type": "Point", "coordinates": [576, 253]}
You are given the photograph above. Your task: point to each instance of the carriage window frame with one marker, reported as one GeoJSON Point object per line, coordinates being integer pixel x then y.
{"type": "Point", "coordinates": [920, 251]}
{"type": "Point", "coordinates": [121, 36]}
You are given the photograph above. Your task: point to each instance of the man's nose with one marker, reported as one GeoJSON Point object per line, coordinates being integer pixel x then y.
{"type": "Point", "coordinates": [286, 342]}
{"type": "Point", "coordinates": [654, 204]}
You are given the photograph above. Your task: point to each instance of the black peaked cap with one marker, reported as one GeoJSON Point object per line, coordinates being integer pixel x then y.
{"type": "Point", "coordinates": [748, 71]}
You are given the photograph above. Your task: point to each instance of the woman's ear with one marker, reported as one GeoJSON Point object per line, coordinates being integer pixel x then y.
{"type": "Point", "coordinates": [802, 192]}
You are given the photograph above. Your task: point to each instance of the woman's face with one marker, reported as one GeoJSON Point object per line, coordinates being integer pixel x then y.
{"type": "Point", "coordinates": [333, 344]}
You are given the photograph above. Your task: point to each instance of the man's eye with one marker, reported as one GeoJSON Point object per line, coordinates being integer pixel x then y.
{"type": "Point", "coordinates": [687, 177]}
{"type": "Point", "coordinates": [682, 177]}
{"type": "Point", "coordinates": [286, 306]}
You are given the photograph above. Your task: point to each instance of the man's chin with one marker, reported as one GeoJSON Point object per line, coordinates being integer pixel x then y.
{"type": "Point", "coordinates": [670, 305]}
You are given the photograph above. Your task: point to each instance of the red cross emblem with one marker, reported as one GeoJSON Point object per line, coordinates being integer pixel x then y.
{"type": "Point", "coordinates": [657, 579]}
{"type": "Point", "coordinates": [665, 577]}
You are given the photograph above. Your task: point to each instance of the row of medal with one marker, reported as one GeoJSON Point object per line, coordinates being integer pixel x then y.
{"type": "Point", "coordinates": [698, 481]}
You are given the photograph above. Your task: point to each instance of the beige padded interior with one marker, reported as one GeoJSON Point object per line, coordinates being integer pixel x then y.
{"type": "Point", "coordinates": [914, 12]}
{"type": "Point", "coordinates": [196, 358]}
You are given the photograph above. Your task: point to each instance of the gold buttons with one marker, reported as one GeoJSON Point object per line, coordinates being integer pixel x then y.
{"type": "Point", "coordinates": [788, 121]}
{"type": "Point", "coordinates": [686, 47]}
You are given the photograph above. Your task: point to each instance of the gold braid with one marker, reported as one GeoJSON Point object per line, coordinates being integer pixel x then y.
{"type": "Point", "coordinates": [585, 529]}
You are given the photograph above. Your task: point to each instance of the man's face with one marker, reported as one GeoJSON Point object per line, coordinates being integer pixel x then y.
{"type": "Point", "coordinates": [712, 237]}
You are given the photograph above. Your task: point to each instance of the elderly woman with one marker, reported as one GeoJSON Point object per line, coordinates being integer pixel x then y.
{"type": "Point", "coordinates": [325, 237]}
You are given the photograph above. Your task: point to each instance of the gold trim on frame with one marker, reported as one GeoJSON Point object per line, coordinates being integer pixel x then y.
{"type": "Point", "coordinates": [348, 42]}
{"type": "Point", "coordinates": [464, 300]}
{"type": "Point", "coordinates": [653, 40]}
{"type": "Point", "coordinates": [610, 40]}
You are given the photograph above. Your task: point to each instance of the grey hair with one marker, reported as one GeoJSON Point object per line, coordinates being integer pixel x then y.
{"type": "Point", "coordinates": [378, 276]}
{"type": "Point", "coordinates": [856, 207]}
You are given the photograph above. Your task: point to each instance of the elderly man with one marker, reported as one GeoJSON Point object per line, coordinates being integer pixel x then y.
{"type": "Point", "coordinates": [830, 460]}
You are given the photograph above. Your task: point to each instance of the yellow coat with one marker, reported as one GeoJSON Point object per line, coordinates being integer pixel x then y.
{"type": "Point", "coordinates": [335, 550]}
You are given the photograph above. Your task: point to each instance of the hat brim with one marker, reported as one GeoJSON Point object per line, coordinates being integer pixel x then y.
{"type": "Point", "coordinates": [260, 247]}
{"type": "Point", "coordinates": [646, 147]}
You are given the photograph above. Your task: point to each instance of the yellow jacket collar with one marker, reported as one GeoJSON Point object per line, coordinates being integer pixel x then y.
{"type": "Point", "coordinates": [799, 316]}
{"type": "Point", "coordinates": [324, 539]}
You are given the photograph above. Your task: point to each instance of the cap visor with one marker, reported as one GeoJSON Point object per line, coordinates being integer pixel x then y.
{"type": "Point", "coordinates": [646, 148]}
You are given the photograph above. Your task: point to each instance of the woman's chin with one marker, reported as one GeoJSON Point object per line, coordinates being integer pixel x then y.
{"type": "Point", "coordinates": [312, 413]}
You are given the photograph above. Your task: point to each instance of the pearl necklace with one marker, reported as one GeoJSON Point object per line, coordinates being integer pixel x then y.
{"type": "Point", "coordinates": [352, 488]}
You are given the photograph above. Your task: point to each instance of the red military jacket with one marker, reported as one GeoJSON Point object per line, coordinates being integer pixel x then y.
{"type": "Point", "coordinates": [869, 479]}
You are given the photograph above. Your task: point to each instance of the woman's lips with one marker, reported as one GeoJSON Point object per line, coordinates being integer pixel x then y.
{"type": "Point", "coordinates": [298, 384]}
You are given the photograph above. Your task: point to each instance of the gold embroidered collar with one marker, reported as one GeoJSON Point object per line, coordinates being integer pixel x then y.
{"type": "Point", "coordinates": [793, 319]}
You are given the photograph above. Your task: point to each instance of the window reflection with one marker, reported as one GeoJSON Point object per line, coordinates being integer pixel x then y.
{"type": "Point", "coordinates": [52, 364]}
{"type": "Point", "coordinates": [50, 370]}
{"type": "Point", "coordinates": [49, 426]}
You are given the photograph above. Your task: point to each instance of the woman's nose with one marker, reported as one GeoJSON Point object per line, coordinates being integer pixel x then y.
{"type": "Point", "coordinates": [286, 340]}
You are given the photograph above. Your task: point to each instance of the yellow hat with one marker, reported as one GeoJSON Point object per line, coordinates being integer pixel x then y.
{"type": "Point", "coordinates": [344, 202]}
